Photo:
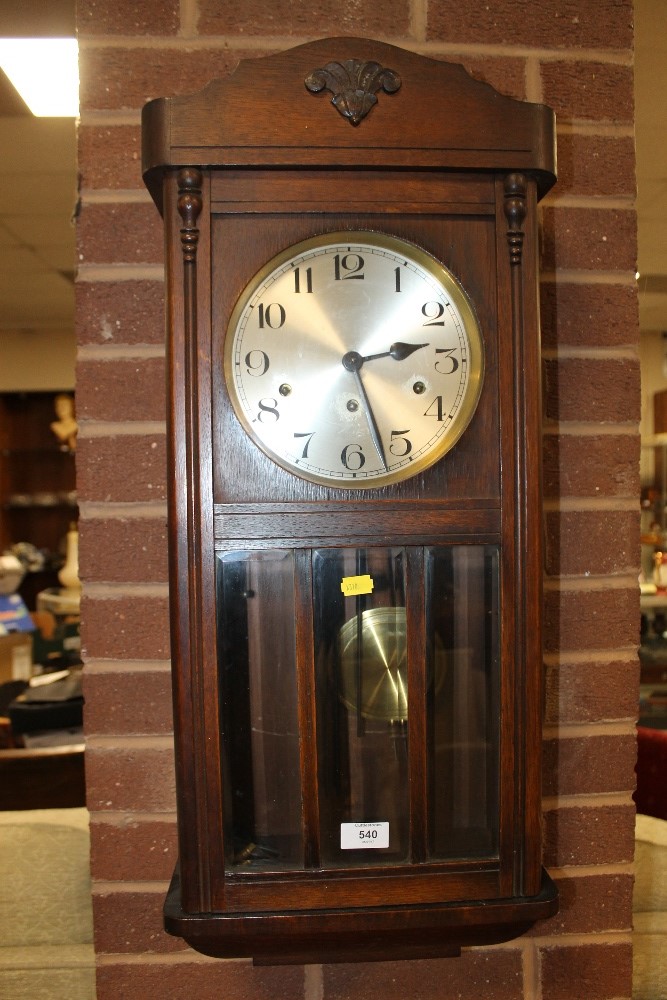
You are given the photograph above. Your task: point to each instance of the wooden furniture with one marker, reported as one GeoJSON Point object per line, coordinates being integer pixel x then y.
{"type": "Point", "coordinates": [42, 778]}
{"type": "Point", "coordinates": [37, 480]}
{"type": "Point", "coordinates": [357, 667]}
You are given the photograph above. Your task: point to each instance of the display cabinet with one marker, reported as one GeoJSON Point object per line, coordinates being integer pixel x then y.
{"type": "Point", "coordinates": [37, 480]}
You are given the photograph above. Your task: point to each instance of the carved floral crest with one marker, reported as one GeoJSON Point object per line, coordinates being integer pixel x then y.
{"type": "Point", "coordinates": [354, 85]}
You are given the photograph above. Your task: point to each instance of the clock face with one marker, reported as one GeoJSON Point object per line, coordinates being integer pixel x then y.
{"type": "Point", "coordinates": [354, 359]}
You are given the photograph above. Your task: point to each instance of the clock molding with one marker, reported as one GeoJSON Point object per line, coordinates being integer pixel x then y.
{"type": "Point", "coordinates": [355, 136]}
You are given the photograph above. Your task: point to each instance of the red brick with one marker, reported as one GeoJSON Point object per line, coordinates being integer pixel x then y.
{"type": "Point", "coordinates": [591, 904]}
{"type": "Point", "coordinates": [132, 849]}
{"type": "Point", "coordinates": [120, 312]}
{"type": "Point", "coordinates": [601, 389]}
{"type": "Point", "coordinates": [591, 465]}
{"type": "Point", "coordinates": [589, 239]}
{"type": "Point", "coordinates": [125, 389]}
{"type": "Point", "coordinates": [283, 17]}
{"type": "Point", "coordinates": [589, 315]}
{"type": "Point", "coordinates": [131, 922]}
{"type": "Point", "coordinates": [128, 702]}
{"type": "Point", "coordinates": [506, 75]}
{"type": "Point", "coordinates": [589, 91]}
{"type": "Point", "coordinates": [581, 765]}
{"type": "Point", "coordinates": [134, 779]}
{"type": "Point", "coordinates": [202, 979]}
{"type": "Point", "coordinates": [590, 971]}
{"type": "Point", "coordinates": [135, 628]}
{"type": "Point", "coordinates": [595, 166]}
{"type": "Point", "coordinates": [591, 619]}
{"type": "Point", "coordinates": [592, 691]}
{"type": "Point", "coordinates": [578, 542]}
{"type": "Point", "coordinates": [589, 836]}
{"type": "Point", "coordinates": [110, 157]}
{"type": "Point", "coordinates": [116, 78]}
{"type": "Point", "coordinates": [125, 468]}
{"type": "Point", "coordinates": [124, 233]}
{"type": "Point", "coordinates": [550, 24]}
{"type": "Point", "coordinates": [126, 17]}
{"type": "Point", "coordinates": [123, 550]}
{"type": "Point", "coordinates": [493, 975]}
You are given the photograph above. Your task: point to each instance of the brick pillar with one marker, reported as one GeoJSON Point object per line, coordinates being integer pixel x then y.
{"type": "Point", "coordinates": [577, 57]}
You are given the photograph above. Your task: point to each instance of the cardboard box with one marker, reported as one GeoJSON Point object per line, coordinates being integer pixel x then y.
{"type": "Point", "coordinates": [15, 657]}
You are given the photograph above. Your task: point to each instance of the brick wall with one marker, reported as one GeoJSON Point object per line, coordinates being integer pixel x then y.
{"type": "Point", "coordinates": [576, 56]}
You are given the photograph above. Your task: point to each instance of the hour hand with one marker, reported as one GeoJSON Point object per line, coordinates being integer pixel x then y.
{"type": "Point", "coordinates": [398, 351]}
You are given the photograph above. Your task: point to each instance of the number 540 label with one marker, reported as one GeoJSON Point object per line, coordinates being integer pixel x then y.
{"type": "Point", "coordinates": [363, 836]}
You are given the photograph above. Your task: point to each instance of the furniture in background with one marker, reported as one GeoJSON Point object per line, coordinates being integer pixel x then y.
{"type": "Point", "coordinates": [650, 908]}
{"type": "Point", "coordinates": [650, 892]}
{"type": "Point", "coordinates": [37, 482]}
{"type": "Point", "coordinates": [46, 927]}
{"type": "Point", "coordinates": [42, 777]}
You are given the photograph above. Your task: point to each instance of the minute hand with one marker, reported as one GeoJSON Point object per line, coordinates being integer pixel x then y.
{"type": "Point", "coordinates": [398, 351]}
{"type": "Point", "coordinates": [370, 416]}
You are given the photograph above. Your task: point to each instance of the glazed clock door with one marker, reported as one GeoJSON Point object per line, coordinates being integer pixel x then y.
{"type": "Point", "coordinates": [356, 474]}
{"type": "Point", "coordinates": [370, 685]}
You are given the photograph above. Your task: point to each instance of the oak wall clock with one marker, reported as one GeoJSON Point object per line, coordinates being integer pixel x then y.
{"type": "Point", "coordinates": [355, 506]}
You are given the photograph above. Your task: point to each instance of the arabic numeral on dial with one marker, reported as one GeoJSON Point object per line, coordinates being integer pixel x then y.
{"type": "Point", "coordinates": [451, 363]}
{"type": "Point", "coordinates": [273, 315]}
{"type": "Point", "coordinates": [352, 457]}
{"type": "Point", "coordinates": [433, 311]}
{"type": "Point", "coordinates": [308, 435]}
{"type": "Point", "coordinates": [268, 410]}
{"type": "Point", "coordinates": [303, 280]}
{"type": "Point", "coordinates": [257, 363]}
{"type": "Point", "coordinates": [397, 278]}
{"type": "Point", "coordinates": [348, 265]}
{"type": "Point", "coordinates": [435, 409]}
{"type": "Point", "coordinates": [400, 445]}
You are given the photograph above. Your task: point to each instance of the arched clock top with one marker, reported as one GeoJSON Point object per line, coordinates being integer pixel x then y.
{"type": "Point", "coordinates": [433, 115]}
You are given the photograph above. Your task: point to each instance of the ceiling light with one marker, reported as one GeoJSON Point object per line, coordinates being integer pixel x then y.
{"type": "Point", "coordinates": [45, 72]}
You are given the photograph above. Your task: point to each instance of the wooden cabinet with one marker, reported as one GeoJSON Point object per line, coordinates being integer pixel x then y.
{"type": "Point", "coordinates": [37, 479]}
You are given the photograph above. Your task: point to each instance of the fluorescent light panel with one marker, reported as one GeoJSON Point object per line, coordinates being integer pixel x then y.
{"type": "Point", "coordinates": [45, 72]}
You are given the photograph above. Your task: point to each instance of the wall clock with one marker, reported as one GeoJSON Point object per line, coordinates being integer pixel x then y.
{"type": "Point", "coordinates": [355, 506]}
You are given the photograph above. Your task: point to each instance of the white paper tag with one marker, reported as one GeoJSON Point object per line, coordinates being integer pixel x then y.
{"type": "Point", "coordinates": [363, 836]}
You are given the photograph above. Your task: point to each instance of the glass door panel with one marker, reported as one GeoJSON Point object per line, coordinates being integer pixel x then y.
{"type": "Point", "coordinates": [462, 609]}
{"type": "Point", "coordinates": [359, 796]}
{"type": "Point", "coordinates": [260, 731]}
{"type": "Point", "coordinates": [362, 714]}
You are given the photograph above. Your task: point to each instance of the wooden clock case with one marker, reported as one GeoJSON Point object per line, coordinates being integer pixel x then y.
{"type": "Point", "coordinates": [351, 134]}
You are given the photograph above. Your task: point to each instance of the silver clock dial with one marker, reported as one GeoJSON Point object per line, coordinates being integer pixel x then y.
{"type": "Point", "coordinates": [354, 359]}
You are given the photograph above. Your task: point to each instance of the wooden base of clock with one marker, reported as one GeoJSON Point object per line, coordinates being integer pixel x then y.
{"type": "Point", "coordinates": [370, 935]}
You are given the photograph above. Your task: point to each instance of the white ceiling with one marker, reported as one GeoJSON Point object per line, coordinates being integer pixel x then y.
{"type": "Point", "coordinates": [38, 181]}
{"type": "Point", "coordinates": [37, 191]}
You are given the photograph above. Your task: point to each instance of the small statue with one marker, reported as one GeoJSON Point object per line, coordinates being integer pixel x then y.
{"type": "Point", "coordinates": [65, 427]}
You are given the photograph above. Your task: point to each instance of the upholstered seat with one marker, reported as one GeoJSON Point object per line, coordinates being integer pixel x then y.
{"type": "Point", "coordinates": [46, 929]}
{"type": "Point", "coordinates": [650, 909]}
